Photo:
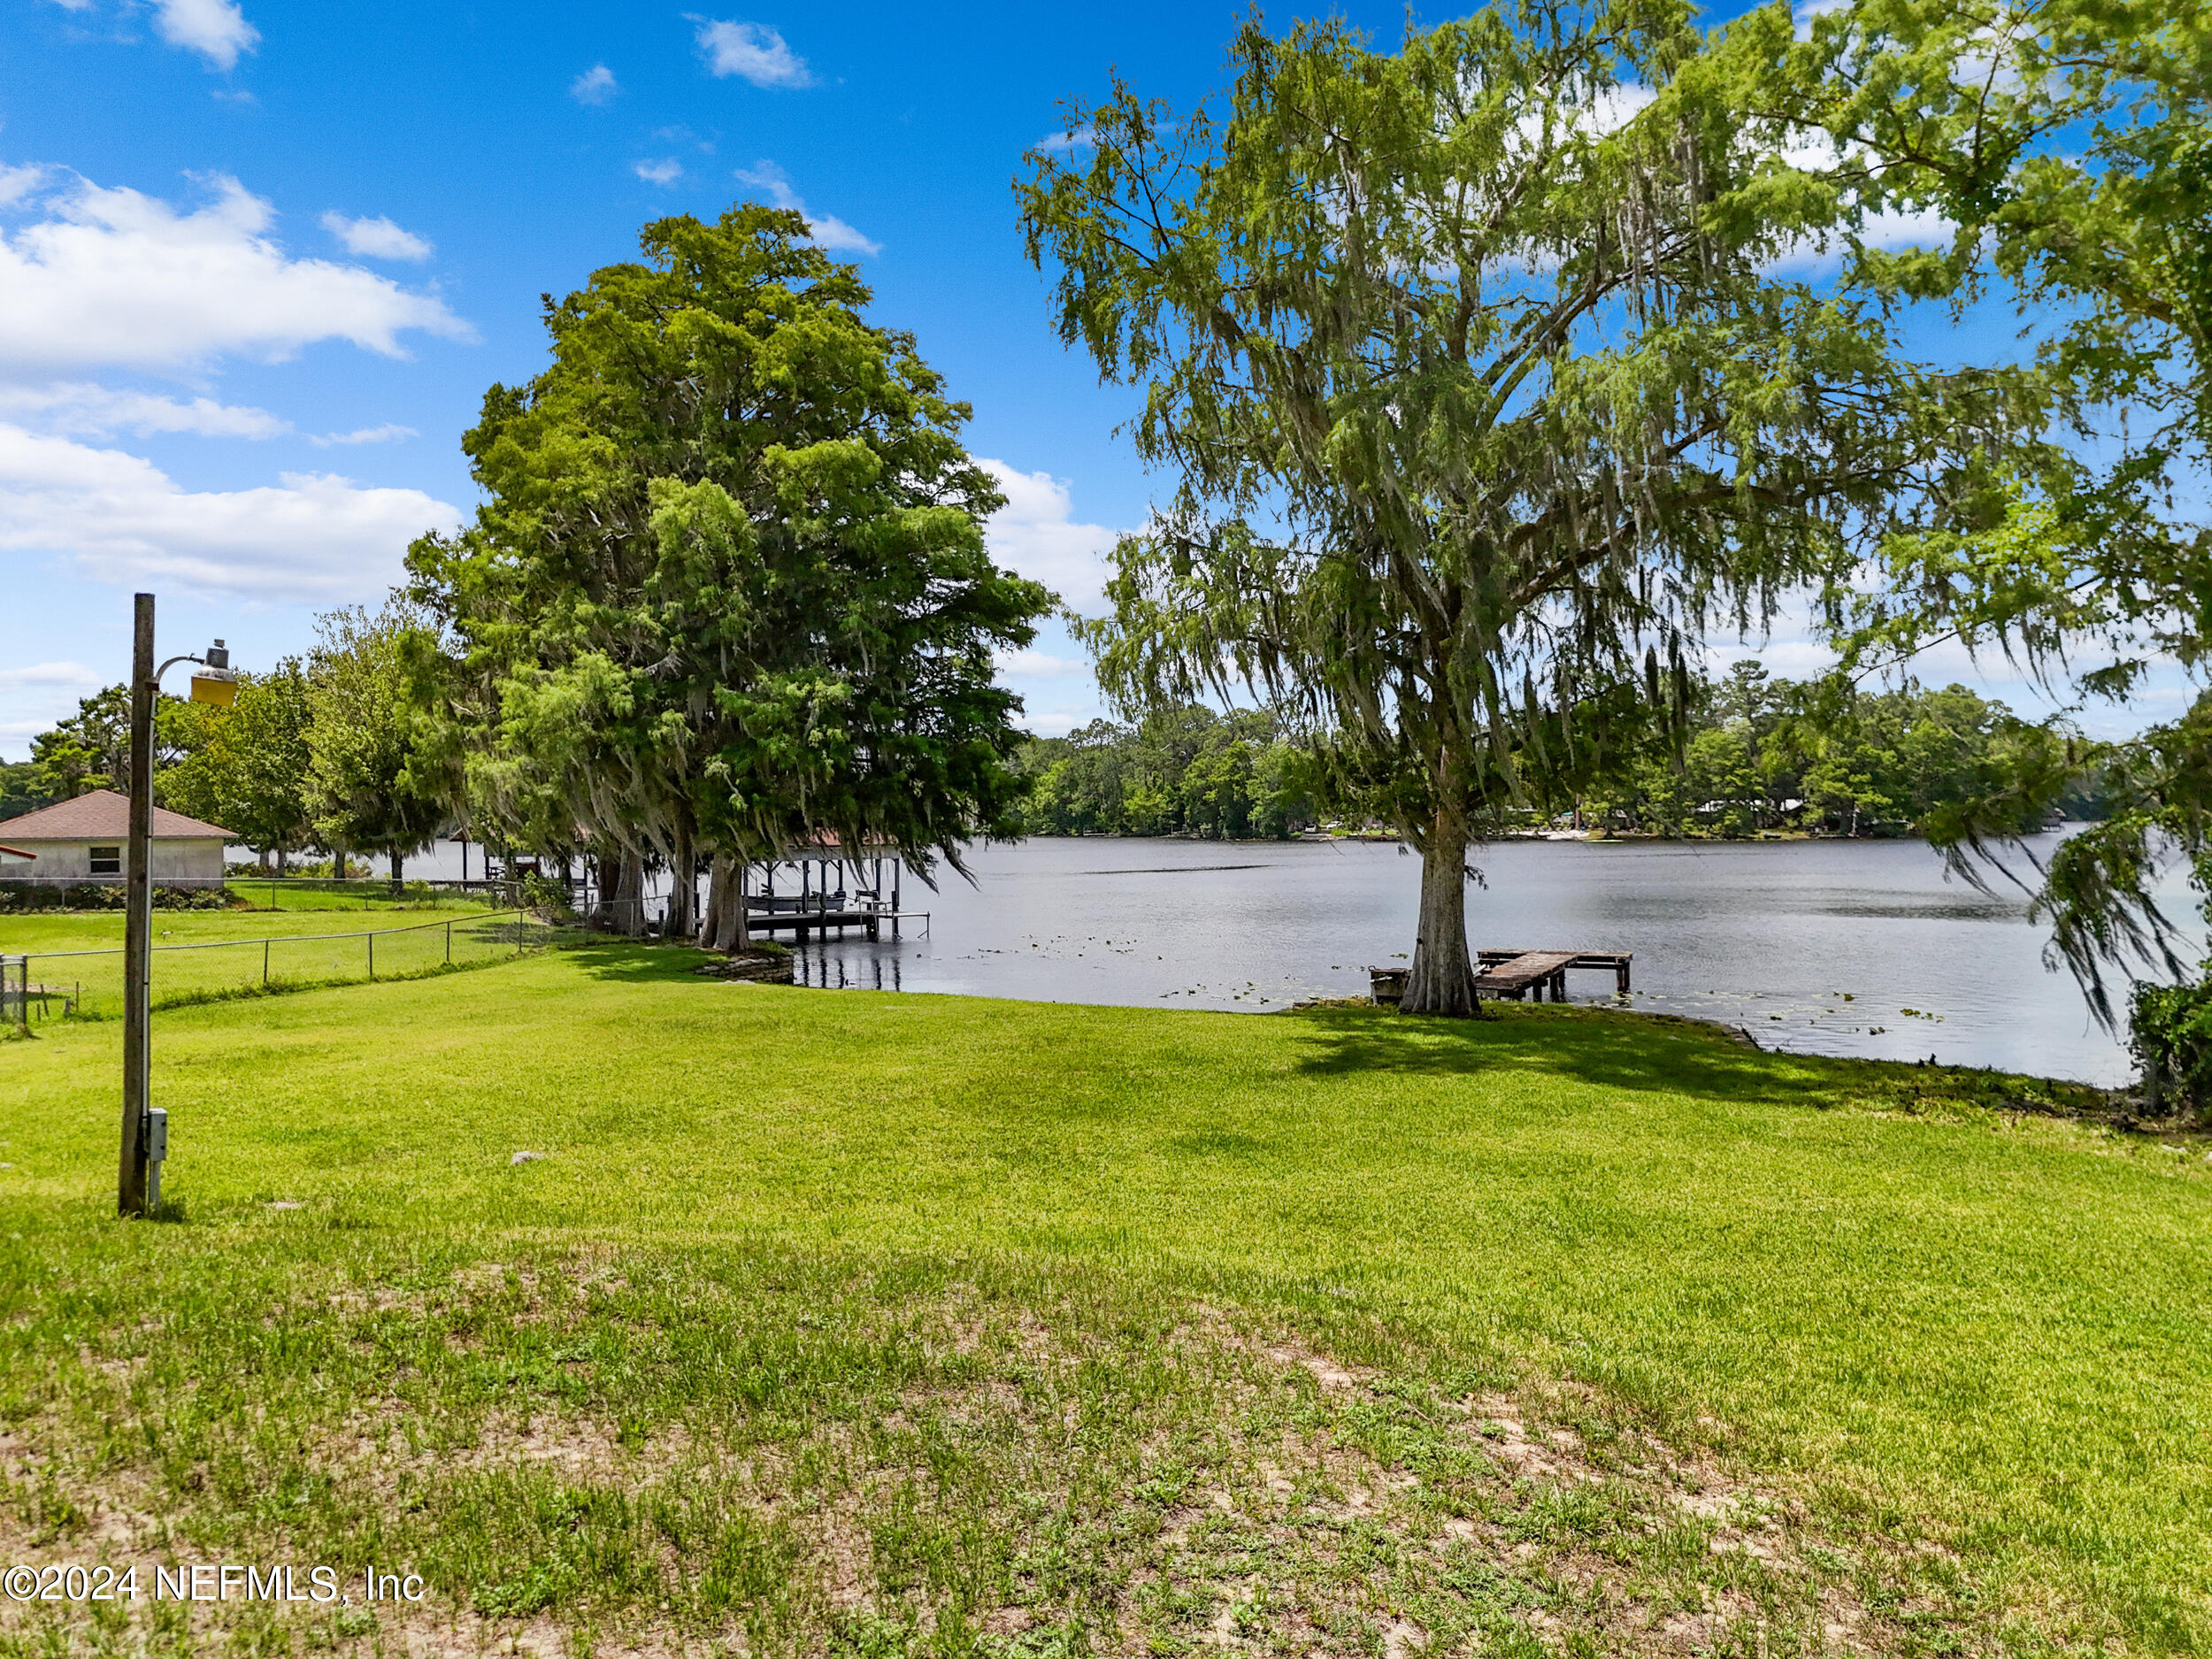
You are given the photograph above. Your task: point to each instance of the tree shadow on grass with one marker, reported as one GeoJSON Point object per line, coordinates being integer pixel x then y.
{"type": "Point", "coordinates": [635, 961]}
{"type": "Point", "coordinates": [1615, 1048]}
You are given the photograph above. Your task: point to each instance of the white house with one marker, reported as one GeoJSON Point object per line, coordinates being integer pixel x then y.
{"type": "Point", "coordinates": [87, 838]}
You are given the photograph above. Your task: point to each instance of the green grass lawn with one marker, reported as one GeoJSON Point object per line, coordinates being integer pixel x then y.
{"type": "Point", "coordinates": [78, 954]}
{"type": "Point", "coordinates": [286, 893]}
{"type": "Point", "coordinates": [882, 1324]}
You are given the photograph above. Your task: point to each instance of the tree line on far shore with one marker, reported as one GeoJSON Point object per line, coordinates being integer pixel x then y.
{"type": "Point", "coordinates": [1754, 754]}
{"type": "Point", "coordinates": [317, 753]}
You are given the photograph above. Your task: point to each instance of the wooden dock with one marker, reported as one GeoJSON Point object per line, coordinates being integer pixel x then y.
{"type": "Point", "coordinates": [823, 901]}
{"type": "Point", "coordinates": [1543, 971]}
{"type": "Point", "coordinates": [1515, 973]}
{"type": "Point", "coordinates": [799, 921]}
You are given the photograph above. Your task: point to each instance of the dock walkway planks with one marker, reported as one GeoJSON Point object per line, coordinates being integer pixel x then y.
{"type": "Point", "coordinates": [1544, 970]}
{"type": "Point", "coordinates": [1617, 961]}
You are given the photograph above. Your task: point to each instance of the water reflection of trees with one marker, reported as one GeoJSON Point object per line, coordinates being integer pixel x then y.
{"type": "Point", "coordinates": [841, 968]}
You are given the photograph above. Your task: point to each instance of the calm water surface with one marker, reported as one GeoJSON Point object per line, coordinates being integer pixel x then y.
{"type": "Point", "coordinates": [1832, 948]}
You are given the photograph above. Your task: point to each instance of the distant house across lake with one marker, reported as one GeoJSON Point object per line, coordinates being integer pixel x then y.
{"type": "Point", "coordinates": [87, 838]}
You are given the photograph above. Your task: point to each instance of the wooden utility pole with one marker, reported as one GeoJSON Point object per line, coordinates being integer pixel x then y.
{"type": "Point", "coordinates": [138, 918]}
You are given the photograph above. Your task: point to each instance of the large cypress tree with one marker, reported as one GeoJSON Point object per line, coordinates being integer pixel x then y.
{"type": "Point", "coordinates": [729, 587]}
{"type": "Point", "coordinates": [1486, 393]}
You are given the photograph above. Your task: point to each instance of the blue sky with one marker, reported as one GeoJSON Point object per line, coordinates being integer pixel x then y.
{"type": "Point", "coordinates": [258, 262]}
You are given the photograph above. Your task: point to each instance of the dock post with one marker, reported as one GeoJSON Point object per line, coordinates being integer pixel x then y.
{"type": "Point", "coordinates": [1620, 976]}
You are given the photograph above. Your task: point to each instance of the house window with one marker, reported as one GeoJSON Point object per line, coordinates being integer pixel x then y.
{"type": "Point", "coordinates": [107, 861]}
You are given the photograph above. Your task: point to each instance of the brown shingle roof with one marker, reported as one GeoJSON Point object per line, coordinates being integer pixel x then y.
{"type": "Point", "coordinates": [103, 815]}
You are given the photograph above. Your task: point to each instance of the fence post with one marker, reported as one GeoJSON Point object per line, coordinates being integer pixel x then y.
{"type": "Point", "coordinates": [372, 955]}
{"type": "Point", "coordinates": [265, 961]}
{"type": "Point", "coordinates": [449, 944]}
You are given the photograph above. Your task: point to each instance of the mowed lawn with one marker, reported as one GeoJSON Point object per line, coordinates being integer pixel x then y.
{"type": "Point", "coordinates": [864, 1323]}
{"type": "Point", "coordinates": [317, 935]}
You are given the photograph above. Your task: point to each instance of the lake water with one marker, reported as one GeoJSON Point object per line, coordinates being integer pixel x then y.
{"type": "Point", "coordinates": [1843, 948]}
{"type": "Point", "coordinates": [1856, 947]}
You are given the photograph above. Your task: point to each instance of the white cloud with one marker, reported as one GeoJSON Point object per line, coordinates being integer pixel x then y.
{"type": "Point", "coordinates": [1805, 10]}
{"type": "Point", "coordinates": [18, 183]}
{"type": "Point", "coordinates": [1058, 722]}
{"type": "Point", "coordinates": [310, 538]}
{"type": "Point", "coordinates": [751, 51]}
{"type": "Point", "coordinates": [78, 408]}
{"type": "Point", "coordinates": [595, 85]}
{"type": "Point", "coordinates": [111, 276]}
{"type": "Point", "coordinates": [1035, 535]}
{"type": "Point", "coordinates": [832, 233]}
{"type": "Point", "coordinates": [1784, 658]}
{"type": "Point", "coordinates": [1034, 664]}
{"type": "Point", "coordinates": [1608, 110]}
{"type": "Point", "coordinates": [1924, 227]}
{"type": "Point", "coordinates": [33, 697]}
{"type": "Point", "coordinates": [375, 238]}
{"type": "Point", "coordinates": [82, 409]}
{"type": "Point", "coordinates": [391, 432]}
{"type": "Point", "coordinates": [665, 172]}
{"type": "Point", "coordinates": [44, 674]}
{"type": "Point", "coordinates": [827, 230]}
{"type": "Point", "coordinates": [216, 29]}
{"type": "Point", "coordinates": [1081, 138]}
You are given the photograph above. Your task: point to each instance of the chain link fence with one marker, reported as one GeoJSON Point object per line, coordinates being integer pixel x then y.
{"type": "Point", "coordinates": [54, 983]}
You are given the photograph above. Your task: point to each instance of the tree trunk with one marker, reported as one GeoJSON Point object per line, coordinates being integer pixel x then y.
{"type": "Point", "coordinates": [738, 934]}
{"type": "Point", "coordinates": [717, 901]}
{"type": "Point", "coordinates": [680, 920]}
{"type": "Point", "coordinates": [621, 890]}
{"type": "Point", "coordinates": [397, 881]}
{"type": "Point", "coordinates": [1443, 977]}
{"type": "Point", "coordinates": [725, 928]}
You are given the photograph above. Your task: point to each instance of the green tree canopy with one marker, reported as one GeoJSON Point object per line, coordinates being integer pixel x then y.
{"type": "Point", "coordinates": [1483, 396]}
{"type": "Point", "coordinates": [1185, 770]}
{"type": "Point", "coordinates": [729, 587]}
{"type": "Point", "coordinates": [249, 767]}
{"type": "Point", "coordinates": [90, 749]}
{"type": "Point", "coordinates": [2068, 143]}
{"type": "Point", "coordinates": [22, 789]}
{"type": "Point", "coordinates": [370, 784]}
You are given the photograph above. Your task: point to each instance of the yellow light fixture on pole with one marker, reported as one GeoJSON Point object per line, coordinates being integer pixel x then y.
{"type": "Point", "coordinates": [215, 683]}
